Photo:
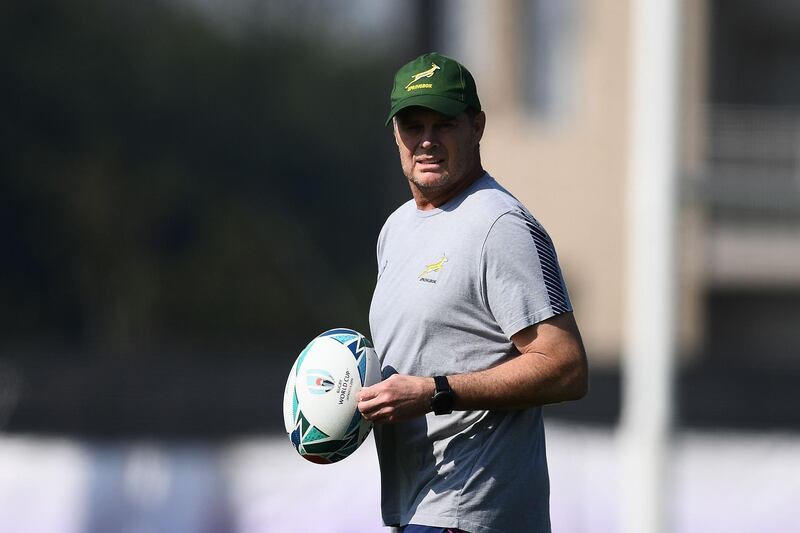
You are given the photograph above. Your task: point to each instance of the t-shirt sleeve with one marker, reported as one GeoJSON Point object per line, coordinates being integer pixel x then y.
{"type": "Point", "coordinates": [522, 280]}
{"type": "Point", "coordinates": [379, 248]}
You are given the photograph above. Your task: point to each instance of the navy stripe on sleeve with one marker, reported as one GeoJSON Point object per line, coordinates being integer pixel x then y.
{"type": "Point", "coordinates": [553, 281]}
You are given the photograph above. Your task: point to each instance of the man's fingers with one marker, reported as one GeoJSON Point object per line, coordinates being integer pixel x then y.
{"type": "Point", "coordinates": [365, 393]}
{"type": "Point", "coordinates": [368, 393]}
{"type": "Point", "coordinates": [367, 403]}
{"type": "Point", "coordinates": [374, 412]}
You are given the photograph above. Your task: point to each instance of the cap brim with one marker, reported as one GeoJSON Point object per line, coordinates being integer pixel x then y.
{"type": "Point", "coordinates": [442, 104]}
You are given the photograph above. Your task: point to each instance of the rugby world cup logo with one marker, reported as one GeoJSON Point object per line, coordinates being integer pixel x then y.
{"type": "Point", "coordinates": [319, 381]}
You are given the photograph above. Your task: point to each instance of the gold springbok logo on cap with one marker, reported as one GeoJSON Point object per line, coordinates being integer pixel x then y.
{"type": "Point", "coordinates": [426, 74]}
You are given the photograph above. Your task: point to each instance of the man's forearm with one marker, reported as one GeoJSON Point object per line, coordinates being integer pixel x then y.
{"type": "Point", "coordinates": [551, 368]}
{"type": "Point", "coordinates": [528, 380]}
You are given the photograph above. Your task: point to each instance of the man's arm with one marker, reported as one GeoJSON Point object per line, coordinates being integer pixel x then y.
{"type": "Point", "coordinates": [551, 367]}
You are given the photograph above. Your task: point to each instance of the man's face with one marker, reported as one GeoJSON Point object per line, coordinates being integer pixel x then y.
{"type": "Point", "coordinates": [436, 151]}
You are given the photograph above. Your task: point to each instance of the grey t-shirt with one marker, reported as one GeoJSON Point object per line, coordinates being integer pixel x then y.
{"type": "Point", "coordinates": [454, 284]}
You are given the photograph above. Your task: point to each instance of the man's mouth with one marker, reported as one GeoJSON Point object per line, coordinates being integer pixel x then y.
{"type": "Point", "coordinates": [430, 161]}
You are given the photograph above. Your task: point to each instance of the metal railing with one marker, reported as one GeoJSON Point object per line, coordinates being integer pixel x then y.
{"type": "Point", "coordinates": [752, 161]}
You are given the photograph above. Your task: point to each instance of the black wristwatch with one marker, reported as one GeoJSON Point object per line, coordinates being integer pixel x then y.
{"type": "Point", "coordinates": [443, 399]}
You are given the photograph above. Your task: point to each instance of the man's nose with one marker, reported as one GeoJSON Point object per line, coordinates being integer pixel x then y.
{"type": "Point", "coordinates": [429, 139]}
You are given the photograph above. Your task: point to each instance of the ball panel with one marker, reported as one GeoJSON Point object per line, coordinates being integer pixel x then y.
{"type": "Point", "coordinates": [290, 400]}
{"type": "Point", "coordinates": [314, 434]}
{"type": "Point", "coordinates": [317, 459]}
{"type": "Point", "coordinates": [373, 370]}
{"type": "Point", "coordinates": [357, 419]}
{"type": "Point", "coordinates": [340, 332]}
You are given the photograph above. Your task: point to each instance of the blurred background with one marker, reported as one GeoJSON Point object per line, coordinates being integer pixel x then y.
{"type": "Point", "coordinates": [190, 190]}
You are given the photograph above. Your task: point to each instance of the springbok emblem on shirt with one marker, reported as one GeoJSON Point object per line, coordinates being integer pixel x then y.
{"type": "Point", "coordinates": [427, 74]}
{"type": "Point", "coordinates": [434, 267]}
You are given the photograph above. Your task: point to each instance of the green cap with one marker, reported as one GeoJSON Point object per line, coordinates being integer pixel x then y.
{"type": "Point", "coordinates": [436, 82]}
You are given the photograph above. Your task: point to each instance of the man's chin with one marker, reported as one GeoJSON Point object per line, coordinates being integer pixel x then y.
{"type": "Point", "coordinates": [429, 181]}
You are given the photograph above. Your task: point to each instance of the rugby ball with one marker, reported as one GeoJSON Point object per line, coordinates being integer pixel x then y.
{"type": "Point", "coordinates": [320, 410]}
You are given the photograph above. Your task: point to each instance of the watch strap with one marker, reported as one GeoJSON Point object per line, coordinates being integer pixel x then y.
{"type": "Point", "coordinates": [443, 398]}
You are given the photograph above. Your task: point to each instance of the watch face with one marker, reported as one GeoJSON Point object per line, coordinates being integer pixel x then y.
{"type": "Point", "coordinates": [443, 402]}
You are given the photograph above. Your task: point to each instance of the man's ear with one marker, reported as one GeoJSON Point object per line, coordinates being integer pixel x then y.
{"type": "Point", "coordinates": [394, 130]}
{"type": "Point", "coordinates": [479, 125]}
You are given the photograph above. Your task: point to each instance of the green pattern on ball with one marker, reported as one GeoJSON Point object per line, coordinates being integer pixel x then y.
{"type": "Point", "coordinates": [314, 434]}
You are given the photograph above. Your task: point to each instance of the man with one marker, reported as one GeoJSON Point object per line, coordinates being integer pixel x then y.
{"type": "Point", "coordinates": [472, 322]}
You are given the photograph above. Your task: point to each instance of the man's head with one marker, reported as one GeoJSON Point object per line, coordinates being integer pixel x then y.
{"type": "Point", "coordinates": [438, 125]}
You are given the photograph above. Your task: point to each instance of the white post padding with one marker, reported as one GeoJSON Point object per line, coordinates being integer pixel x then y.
{"type": "Point", "coordinates": [647, 392]}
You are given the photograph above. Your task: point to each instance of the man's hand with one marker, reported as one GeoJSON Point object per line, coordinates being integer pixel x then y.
{"type": "Point", "coordinates": [396, 398]}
